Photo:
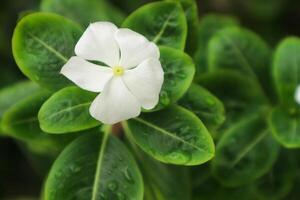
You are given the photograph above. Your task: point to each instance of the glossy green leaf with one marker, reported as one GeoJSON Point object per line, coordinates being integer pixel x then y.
{"type": "Point", "coordinates": [42, 44]}
{"type": "Point", "coordinates": [243, 51]}
{"type": "Point", "coordinates": [179, 71]}
{"type": "Point", "coordinates": [67, 111]}
{"type": "Point", "coordinates": [173, 135]}
{"type": "Point", "coordinates": [162, 181]}
{"type": "Point", "coordinates": [94, 166]}
{"type": "Point", "coordinates": [286, 70]}
{"type": "Point", "coordinates": [15, 93]}
{"type": "Point", "coordinates": [285, 127]}
{"type": "Point", "coordinates": [191, 13]}
{"type": "Point", "coordinates": [205, 105]}
{"type": "Point", "coordinates": [244, 153]}
{"type": "Point", "coordinates": [161, 22]}
{"type": "Point", "coordinates": [84, 12]}
{"type": "Point", "coordinates": [21, 122]}
{"type": "Point", "coordinates": [208, 26]}
{"type": "Point", "coordinates": [279, 181]}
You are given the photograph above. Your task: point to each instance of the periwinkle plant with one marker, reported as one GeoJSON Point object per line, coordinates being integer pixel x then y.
{"type": "Point", "coordinates": [209, 66]}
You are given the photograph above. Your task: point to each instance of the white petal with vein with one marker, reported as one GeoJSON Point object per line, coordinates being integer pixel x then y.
{"type": "Point", "coordinates": [87, 75]}
{"type": "Point", "coordinates": [115, 103]}
{"type": "Point", "coordinates": [135, 48]}
{"type": "Point", "coordinates": [98, 43]}
{"type": "Point", "coordinates": [297, 95]}
{"type": "Point", "coordinates": [145, 82]}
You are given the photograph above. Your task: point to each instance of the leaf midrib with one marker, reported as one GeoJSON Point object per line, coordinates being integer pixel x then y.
{"type": "Point", "coordinates": [172, 135]}
{"type": "Point", "coordinates": [49, 47]}
{"type": "Point", "coordinates": [99, 166]}
{"type": "Point", "coordinates": [69, 108]}
{"type": "Point", "coordinates": [249, 147]}
{"type": "Point", "coordinates": [164, 27]}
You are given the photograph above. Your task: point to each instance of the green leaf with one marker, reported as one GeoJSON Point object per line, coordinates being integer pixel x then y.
{"type": "Point", "coordinates": [94, 166]}
{"type": "Point", "coordinates": [84, 12]}
{"type": "Point", "coordinates": [42, 44]}
{"type": "Point", "coordinates": [229, 87]}
{"type": "Point", "coordinates": [161, 181]}
{"type": "Point", "coordinates": [286, 70]}
{"type": "Point", "coordinates": [244, 153]}
{"type": "Point", "coordinates": [243, 51]}
{"type": "Point", "coordinates": [279, 181]}
{"type": "Point", "coordinates": [173, 135]}
{"type": "Point", "coordinates": [285, 127]}
{"type": "Point", "coordinates": [205, 105]}
{"type": "Point", "coordinates": [208, 26]}
{"type": "Point", "coordinates": [179, 71]}
{"type": "Point", "coordinates": [191, 13]}
{"type": "Point", "coordinates": [21, 122]}
{"type": "Point", "coordinates": [161, 22]}
{"type": "Point", "coordinates": [15, 93]}
{"type": "Point", "coordinates": [67, 111]}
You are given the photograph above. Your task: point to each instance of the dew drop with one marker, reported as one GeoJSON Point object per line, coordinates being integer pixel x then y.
{"type": "Point", "coordinates": [128, 176]}
{"type": "Point", "coordinates": [74, 168]}
{"type": "Point", "coordinates": [181, 75]}
{"type": "Point", "coordinates": [121, 196]}
{"type": "Point", "coordinates": [113, 186]}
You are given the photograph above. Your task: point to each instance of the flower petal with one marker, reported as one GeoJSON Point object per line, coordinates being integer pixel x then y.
{"type": "Point", "coordinates": [297, 95]}
{"type": "Point", "coordinates": [135, 48]}
{"type": "Point", "coordinates": [145, 82]}
{"type": "Point", "coordinates": [87, 75]}
{"type": "Point", "coordinates": [98, 43]}
{"type": "Point", "coordinates": [115, 103]}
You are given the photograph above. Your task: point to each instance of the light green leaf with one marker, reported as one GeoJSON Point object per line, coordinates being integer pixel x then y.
{"type": "Point", "coordinates": [243, 51]}
{"type": "Point", "coordinates": [205, 105]}
{"type": "Point", "coordinates": [208, 26]}
{"type": "Point", "coordinates": [285, 127]}
{"type": "Point", "coordinates": [161, 22]}
{"type": "Point", "coordinates": [244, 153]}
{"type": "Point", "coordinates": [286, 70]}
{"type": "Point", "coordinates": [42, 44]}
{"type": "Point", "coordinates": [83, 11]}
{"type": "Point", "coordinates": [94, 166]}
{"type": "Point", "coordinates": [21, 122]}
{"type": "Point", "coordinates": [173, 135]}
{"type": "Point", "coordinates": [15, 93]}
{"type": "Point", "coordinates": [67, 111]}
{"type": "Point", "coordinates": [179, 71]}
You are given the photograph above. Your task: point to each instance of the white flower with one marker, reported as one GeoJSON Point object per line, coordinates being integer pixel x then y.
{"type": "Point", "coordinates": [297, 95]}
{"type": "Point", "coordinates": [132, 78]}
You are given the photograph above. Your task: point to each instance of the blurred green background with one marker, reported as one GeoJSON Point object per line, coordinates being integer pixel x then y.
{"type": "Point", "coordinates": [272, 19]}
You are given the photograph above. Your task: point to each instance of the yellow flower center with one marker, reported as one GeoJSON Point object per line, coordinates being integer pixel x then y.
{"type": "Point", "coordinates": [118, 71]}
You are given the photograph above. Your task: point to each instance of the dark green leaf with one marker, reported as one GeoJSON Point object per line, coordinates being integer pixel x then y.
{"type": "Point", "coordinates": [244, 153]}
{"type": "Point", "coordinates": [191, 13]}
{"type": "Point", "coordinates": [173, 135]}
{"type": "Point", "coordinates": [67, 111]}
{"type": "Point", "coordinates": [161, 22]}
{"type": "Point", "coordinates": [205, 105]}
{"type": "Point", "coordinates": [179, 71]}
{"type": "Point", "coordinates": [243, 51]}
{"type": "Point", "coordinates": [209, 25]}
{"type": "Point", "coordinates": [21, 122]}
{"type": "Point", "coordinates": [15, 93]}
{"type": "Point", "coordinates": [286, 70]}
{"type": "Point", "coordinates": [285, 127]}
{"type": "Point", "coordinates": [278, 182]}
{"type": "Point", "coordinates": [94, 166]}
{"type": "Point", "coordinates": [83, 11]}
{"type": "Point", "coordinates": [163, 182]}
{"type": "Point", "coordinates": [42, 44]}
